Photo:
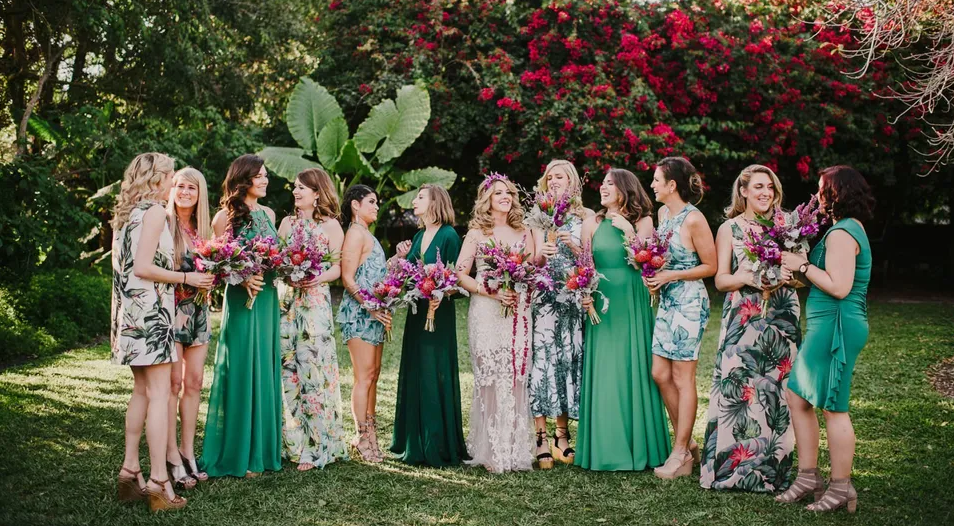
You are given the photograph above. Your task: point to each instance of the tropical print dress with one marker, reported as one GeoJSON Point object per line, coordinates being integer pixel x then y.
{"type": "Point", "coordinates": [313, 419]}
{"type": "Point", "coordinates": [192, 327]}
{"type": "Point", "coordinates": [749, 438]}
{"type": "Point", "coordinates": [141, 329]}
{"type": "Point", "coordinates": [557, 341]}
{"type": "Point", "coordinates": [683, 305]}
{"type": "Point", "coordinates": [355, 320]}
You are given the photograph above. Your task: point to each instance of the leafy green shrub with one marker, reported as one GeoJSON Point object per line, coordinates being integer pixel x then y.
{"type": "Point", "coordinates": [71, 306]}
{"type": "Point", "coordinates": [19, 339]}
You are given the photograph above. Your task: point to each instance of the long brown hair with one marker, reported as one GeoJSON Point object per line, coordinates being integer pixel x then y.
{"type": "Point", "coordinates": [687, 178]}
{"type": "Point", "coordinates": [235, 188]}
{"type": "Point", "coordinates": [846, 193]}
{"type": "Point", "coordinates": [634, 202]}
{"type": "Point", "coordinates": [441, 210]}
{"type": "Point", "coordinates": [482, 220]}
{"type": "Point", "coordinates": [320, 182]}
{"type": "Point", "coordinates": [199, 221]}
{"type": "Point", "coordinates": [737, 206]}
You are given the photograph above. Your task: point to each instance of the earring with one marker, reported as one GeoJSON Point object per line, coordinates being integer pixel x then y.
{"type": "Point", "coordinates": [315, 204]}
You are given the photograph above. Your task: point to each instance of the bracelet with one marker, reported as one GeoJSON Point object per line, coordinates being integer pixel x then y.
{"type": "Point", "coordinates": [184, 277]}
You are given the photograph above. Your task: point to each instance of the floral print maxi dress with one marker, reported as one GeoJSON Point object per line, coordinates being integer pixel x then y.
{"type": "Point", "coordinates": [313, 429]}
{"type": "Point", "coordinates": [749, 437]}
{"type": "Point", "coordinates": [141, 327]}
{"type": "Point", "coordinates": [557, 341]}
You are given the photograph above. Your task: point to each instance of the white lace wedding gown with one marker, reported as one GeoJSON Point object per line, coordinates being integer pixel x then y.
{"type": "Point", "coordinates": [500, 437]}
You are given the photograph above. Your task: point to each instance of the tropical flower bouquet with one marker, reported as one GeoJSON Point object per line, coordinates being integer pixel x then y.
{"type": "Point", "coordinates": [302, 257]}
{"type": "Point", "coordinates": [786, 231]}
{"type": "Point", "coordinates": [391, 292]}
{"type": "Point", "coordinates": [649, 256]}
{"type": "Point", "coordinates": [582, 281]}
{"type": "Point", "coordinates": [264, 254]}
{"type": "Point", "coordinates": [224, 257]}
{"type": "Point", "coordinates": [433, 281]}
{"type": "Point", "coordinates": [507, 269]}
{"type": "Point", "coordinates": [548, 212]}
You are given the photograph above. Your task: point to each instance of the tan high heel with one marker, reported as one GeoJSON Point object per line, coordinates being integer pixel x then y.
{"type": "Point", "coordinates": [840, 494]}
{"type": "Point", "coordinates": [158, 500]}
{"type": "Point", "coordinates": [675, 467]}
{"type": "Point", "coordinates": [373, 436]}
{"type": "Point", "coordinates": [545, 459]}
{"type": "Point", "coordinates": [128, 488]}
{"type": "Point", "coordinates": [694, 451]}
{"type": "Point", "coordinates": [808, 482]}
{"type": "Point", "coordinates": [365, 453]}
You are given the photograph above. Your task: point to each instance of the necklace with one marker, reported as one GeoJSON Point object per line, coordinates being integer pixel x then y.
{"type": "Point", "coordinates": [362, 225]}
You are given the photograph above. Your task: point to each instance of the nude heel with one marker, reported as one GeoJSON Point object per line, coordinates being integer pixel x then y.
{"type": "Point", "coordinates": [158, 500]}
{"type": "Point", "coordinates": [675, 467]}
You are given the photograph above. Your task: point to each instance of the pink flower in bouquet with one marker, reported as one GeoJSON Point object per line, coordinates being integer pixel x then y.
{"type": "Point", "coordinates": [224, 257]}
{"type": "Point", "coordinates": [304, 256]}
{"type": "Point", "coordinates": [649, 255]}
{"type": "Point", "coordinates": [432, 281]}
{"type": "Point", "coordinates": [390, 293]}
{"type": "Point", "coordinates": [582, 281]}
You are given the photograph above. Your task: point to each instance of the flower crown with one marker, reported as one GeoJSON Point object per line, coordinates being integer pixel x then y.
{"type": "Point", "coordinates": [492, 178]}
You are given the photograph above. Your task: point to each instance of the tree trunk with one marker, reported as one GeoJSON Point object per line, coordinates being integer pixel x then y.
{"type": "Point", "coordinates": [52, 59]}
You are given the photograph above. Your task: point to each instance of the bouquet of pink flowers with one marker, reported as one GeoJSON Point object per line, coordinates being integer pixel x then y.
{"type": "Point", "coordinates": [582, 281]}
{"type": "Point", "coordinates": [391, 292]}
{"type": "Point", "coordinates": [548, 212]}
{"type": "Point", "coordinates": [224, 257]}
{"type": "Point", "coordinates": [303, 257]}
{"type": "Point", "coordinates": [433, 281]}
{"type": "Point", "coordinates": [507, 269]}
{"type": "Point", "coordinates": [264, 254]}
{"type": "Point", "coordinates": [649, 256]}
{"type": "Point", "coordinates": [786, 231]}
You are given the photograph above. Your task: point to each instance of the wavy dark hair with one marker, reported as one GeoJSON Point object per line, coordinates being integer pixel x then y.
{"type": "Point", "coordinates": [320, 182]}
{"type": "Point", "coordinates": [635, 203]}
{"type": "Point", "coordinates": [688, 180]}
{"type": "Point", "coordinates": [235, 188]}
{"type": "Point", "coordinates": [354, 193]}
{"type": "Point", "coordinates": [846, 193]}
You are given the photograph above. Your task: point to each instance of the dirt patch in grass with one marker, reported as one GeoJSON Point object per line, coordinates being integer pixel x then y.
{"type": "Point", "coordinates": [942, 377]}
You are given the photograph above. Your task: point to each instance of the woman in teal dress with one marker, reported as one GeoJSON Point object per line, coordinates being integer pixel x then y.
{"type": "Point", "coordinates": [362, 265]}
{"type": "Point", "coordinates": [622, 419]}
{"type": "Point", "coordinates": [243, 431]}
{"type": "Point", "coordinates": [313, 431]}
{"type": "Point", "coordinates": [683, 304]}
{"type": "Point", "coordinates": [428, 428]}
{"type": "Point", "coordinates": [839, 269]}
{"type": "Point", "coordinates": [749, 440]}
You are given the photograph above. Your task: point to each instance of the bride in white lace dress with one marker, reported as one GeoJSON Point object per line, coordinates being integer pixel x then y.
{"type": "Point", "coordinates": [500, 433]}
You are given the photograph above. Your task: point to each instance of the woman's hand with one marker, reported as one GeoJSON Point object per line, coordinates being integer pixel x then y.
{"type": "Point", "coordinates": [253, 285]}
{"type": "Point", "coordinates": [746, 277]}
{"type": "Point", "coordinates": [656, 282]}
{"type": "Point", "coordinates": [507, 297]}
{"type": "Point", "coordinates": [382, 316]}
{"type": "Point", "coordinates": [199, 280]}
{"type": "Point", "coordinates": [787, 276]}
{"type": "Point", "coordinates": [567, 239]}
{"type": "Point", "coordinates": [433, 303]}
{"type": "Point", "coordinates": [548, 250]}
{"type": "Point", "coordinates": [623, 224]}
{"type": "Point", "coordinates": [308, 284]}
{"type": "Point", "coordinates": [403, 248]}
{"type": "Point", "coordinates": [793, 261]}
{"type": "Point", "coordinates": [587, 302]}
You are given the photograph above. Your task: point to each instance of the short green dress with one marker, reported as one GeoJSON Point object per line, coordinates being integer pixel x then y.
{"type": "Point", "coordinates": [837, 331]}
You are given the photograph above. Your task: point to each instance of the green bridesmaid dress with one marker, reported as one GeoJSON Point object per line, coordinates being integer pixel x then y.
{"type": "Point", "coordinates": [622, 418]}
{"type": "Point", "coordinates": [428, 428]}
{"type": "Point", "coordinates": [243, 431]}
{"type": "Point", "coordinates": [836, 331]}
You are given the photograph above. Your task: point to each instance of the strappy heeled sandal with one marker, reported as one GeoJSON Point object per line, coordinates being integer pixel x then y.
{"type": "Point", "coordinates": [361, 445]}
{"type": "Point", "coordinates": [373, 436]}
{"type": "Point", "coordinates": [840, 494]}
{"type": "Point", "coordinates": [544, 460]}
{"type": "Point", "coordinates": [564, 455]}
{"type": "Point", "coordinates": [158, 501]}
{"type": "Point", "coordinates": [808, 482]}
{"type": "Point", "coordinates": [128, 488]}
{"type": "Point", "coordinates": [674, 467]}
{"type": "Point", "coordinates": [192, 469]}
{"type": "Point", "coordinates": [180, 476]}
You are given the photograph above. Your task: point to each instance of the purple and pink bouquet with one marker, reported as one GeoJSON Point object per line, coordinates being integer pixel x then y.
{"type": "Point", "coordinates": [548, 212]}
{"type": "Point", "coordinates": [582, 281]}
{"type": "Point", "coordinates": [433, 281]}
{"type": "Point", "coordinates": [304, 257]}
{"type": "Point", "coordinates": [391, 292]}
{"type": "Point", "coordinates": [649, 256]}
{"type": "Point", "coordinates": [264, 254]}
{"type": "Point", "coordinates": [786, 231]}
{"type": "Point", "coordinates": [507, 269]}
{"type": "Point", "coordinates": [224, 257]}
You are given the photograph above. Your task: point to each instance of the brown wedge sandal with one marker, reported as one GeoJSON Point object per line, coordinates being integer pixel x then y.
{"type": "Point", "coordinates": [809, 482]}
{"type": "Point", "coordinates": [545, 459]}
{"type": "Point", "coordinates": [563, 455]}
{"type": "Point", "coordinates": [128, 488]}
{"type": "Point", "coordinates": [840, 494]}
{"type": "Point", "coordinates": [158, 501]}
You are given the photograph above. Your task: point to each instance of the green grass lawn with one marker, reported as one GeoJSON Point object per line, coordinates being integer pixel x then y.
{"type": "Point", "coordinates": [61, 432]}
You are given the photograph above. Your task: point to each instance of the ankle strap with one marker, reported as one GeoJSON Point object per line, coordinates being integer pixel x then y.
{"type": "Point", "coordinates": [161, 483]}
{"type": "Point", "coordinates": [131, 472]}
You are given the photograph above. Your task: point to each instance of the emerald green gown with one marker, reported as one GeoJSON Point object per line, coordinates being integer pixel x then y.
{"type": "Point", "coordinates": [622, 418]}
{"type": "Point", "coordinates": [836, 331]}
{"type": "Point", "coordinates": [243, 431]}
{"type": "Point", "coordinates": [428, 428]}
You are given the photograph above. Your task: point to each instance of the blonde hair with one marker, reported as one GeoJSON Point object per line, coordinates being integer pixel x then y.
{"type": "Point", "coordinates": [576, 183]}
{"type": "Point", "coordinates": [200, 214]}
{"type": "Point", "coordinates": [326, 205]}
{"type": "Point", "coordinates": [482, 220]}
{"type": "Point", "coordinates": [737, 205]}
{"type": "Point", "coordinates": [142, 180]}
{"type": "Point", "coordinates": [440, 210]}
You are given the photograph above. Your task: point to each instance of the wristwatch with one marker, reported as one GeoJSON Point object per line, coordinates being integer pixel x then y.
{"type": "Point", "coordinates": [804, 268]}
